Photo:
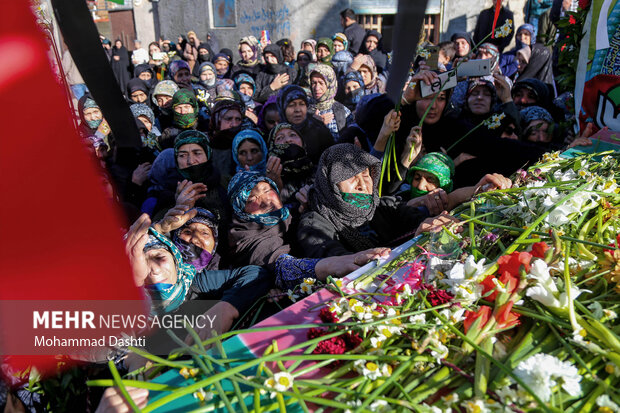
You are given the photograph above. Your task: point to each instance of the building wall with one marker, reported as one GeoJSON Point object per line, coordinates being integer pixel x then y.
{"type": "Point", "coordinates": [296, 20]}
{"type": "Point", "coordinates": [143, 17]}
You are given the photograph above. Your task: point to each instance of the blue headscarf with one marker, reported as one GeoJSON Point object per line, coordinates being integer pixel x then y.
{"type": "Point", "coordinates": [531, 113]}
{"type": "Point", "coordinates": [171, 295]}
{"type": "Point", "coordinates": [239, 190]}
{"type": "Point", "coordinates": [255, 137]}
{"type": "Point", "coordinates": [529, 28]}
{"type": "Point", "coordinates": [287, 95]}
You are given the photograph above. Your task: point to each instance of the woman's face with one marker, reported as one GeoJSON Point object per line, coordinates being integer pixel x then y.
{"type": "Point", "coordinates": [435, 112]}
{"type": "Point", "coordinates": [221, 66]}
{"type": "Point", "coordinates": [249, 153]}
{"type": "Point", "coordinates": [296, 111]}
{"type": "Point", "coordinates": [525, 37]}
{"type": "Point", "coordinates": [303, 60]}
{"type": "Point", "coordinates": [246, 89]}
{"type": "Point", "coordinates": [200, 235]}
{"type": "Point", "coordinates": [318, 86]}
{"type": "Point", "coordinates": [190, 154]}
{"type": "Point", "coordinates": [118, 44]}
{"type": "Point", "coordinates": [522, 63]}
{"type": "Point", "coordinates": [145, 75]}
{"type": "Point", "coordinates": [272, 117]}
{"type": "Point", "coordinates": [262, 200]}
{"type": "Point", "coordinates": [183, 76]}
{"type": "Point", "coordinates": [289, 136]}
{"type": "Point", "coordinates": [484, 54]}
{"type": "Point", "coordinates": [510, 132]}
{"type": "Point", "coordinates": [271, 58]}
{"type": "Point", "coordinates": [92, 114]}
{"type": "Point", "coordinates": [338, 46]}
{"type": "Point", "coordinates": [147, 122]}
{"type": "Point", "coordinates": [538, 131]}
{"type": "Point", "coordinates": [231, 119]}
{"type": "Point", "coordinates": [138, 96]}
{"type": "Point", "coordinates": [308, 47]}
{"type": "Point", "coordinates": [246, 52]}
{"type": "Point", "coordinates": [162, 268]}
{"type": "Point", "coordinates": [184, 109]}
{"type": "Point", "coordinates": [425, 181]}
{"type": "Point", "coordinates": [524, 97]}
{"type": "Point", "coordinates": [322, 52]}
{"type": "Point", "coordinates": [163, 101]}
{"type": "Point", "coordinates": [351, 86]}
{"type": "Point", "coordinates": [203, 52]}
{"type": "Point", "coordinates": [366, 74]}
{"type": "Point", "coordinates": [462, 47]}
{"type": "Point", "coordinates": [479, 100]}
{"type": "Point", "coordinates": [371, 43]}
{"type": "Point", "coordinates": [207, 75]}
{"type": "Point", "coordinates": [154, 49]}
{"type": "Point", "coordinates": [357, 184]}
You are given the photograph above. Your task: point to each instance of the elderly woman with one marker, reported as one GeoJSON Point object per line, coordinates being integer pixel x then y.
{"type": "Point", "coordinates": [373, 46]}
{"type": "Point", "coordinates": [366, 67]}
{"type": "Point", "coordinates": [162, 103]}
{"type": "Point", "coordinates": [260, 235]}
{"type": "Point", "coordinates": [137, 91]}
{"type": "Point", "coordinates": [310, 46]}
{"type": "Point", "coordinates": [181, 73]}
{"type": "Point", "coordinates": [249, 50]}
{"type": "Point", "coordinates": [274, 75]}
{"type": "Point", "coordinates": [353, 89]}
{"type": "Point", "coordinates": [324, 86]}
{"type": "Point", "coordinates": [324, 50]}
{"type": "Point", "coordinates": [293, 105]}
{"type": "Point", "coordinates": [184, 116]}
{"type": "Point", "coordinates": [340, 42]}
{"type": "Point", "coordinates": [158, 266]}
{"type": "Point", "coordinates": [346, 214]}
{"type": "Point", "coordinates": [539, 128]}
{"type": "Point", "coordinates": [289, 165]}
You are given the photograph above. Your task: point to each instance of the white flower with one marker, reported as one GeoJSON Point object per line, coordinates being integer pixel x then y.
{"type": "Point", "coordinates": [440, 351]}
{"type": "Point", "coordinates": [372, 370]}
{"type": "Point", "coordinates": [280, 382]}
{"type": "Point", "coordinates": [505, 30]}
{"type": "Point", "coordinates": [379, 406]}
{"type": "Point", "coordinates": [292, 296]}
{"type": "Point", "coordinates": [480, 406]}
{"type": "Point", "coordinates": [418, 319]}
{"type": "Point", "coordinates": [203, 396]}
{"type": "Point", "coordinates": [543, 372]}
{"type": "Point", "coordinates": [605, 401]}
{"type": "Point", "coordinates": [310, 281]}
{"type": "Point", "coordinates": [305, 288]}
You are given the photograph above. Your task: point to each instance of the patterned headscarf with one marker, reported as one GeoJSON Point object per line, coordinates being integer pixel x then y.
{"type": "Point", "coordinates": [327, 73]}
{"type": "Point", "coordinates": [287, 95]}
{"type": "Point", "coordinates": [254, 136]}
{"type": "Point", "coordinates": [479, 81]}
{"type": "Point", "coordinates": [493, 50]}
{"type": "Point", "coordinates": [253, 43]}
{"type": "Point", "coordinates": [187, 120]}
{"type": "Point", "coordinates": [192, 254]}
{"type": "Point", "coordinates": [341, 37]}
{"type": "Point", "coordinates": [280, 126]}
{"type": "Point", "coordinates": [294, 159]}
{"type": "Point", "coordinates": [312, 42]}
{"type": "Point", "coordinates": [327, 42]}
{"type": "Point", "coordinates": [166, 88]}
{"type": "Point", "coordinates": [353, 76]}
{"type": "Point", "coordinates": [89, 104]}
{"type": "Point", "coordinates": [191, 136]}
{"type": "Point", "coordinates": [171, 295]}
{"type": "Point", "coordinates": [239, 190]}
{"type": "Point", "coordinates": [245, 78]}
{"type": "Point", "coordinates": [530, 28]}
{"type": "Point", "coordinates": [368, 61]}
{"type": "Point", "coordinates": [535, 113]}
{"type": "Point", "coordinates": [439, 165]}
{"type": "Point", "coordinates": [221, 105]}
{"type": "Point", "coordinates": [339, 163]}
{"type": "Point", "coordinates": [140, 109]}
{"type": "Point", "coordinates": [177, 65]}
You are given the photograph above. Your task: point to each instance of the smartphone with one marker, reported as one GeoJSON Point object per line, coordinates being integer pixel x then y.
{"type": "Point", "coordinates": [159, 55]}
{"type": "Point", "coordinates": [445, 81]}
{"type": "Point", "coordinates": [474, 68]}
{"type": "Point", "coordinates": [433, 60]}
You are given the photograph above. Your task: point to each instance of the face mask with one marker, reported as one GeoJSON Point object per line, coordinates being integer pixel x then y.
{"type": "Point", "coordinates": [362, 201]}
{"type": "Point", "coordinates": [223, 139]}
{"type": "Point", "coordinates": [295, 161]}
{"type": "Point", "coordinates": [194, 255]}
{"type": "Point", "coordinates": [352, 99]}
{"type": "Point", "coordinates": [94, 124]}
{"type": "Point", "coordinates": [245, 98]}
{"type": "Point", "coordinates": [185, 121]}
{"type": "Point", "coordinates": [203, 58]}
{"type": "Point", "coordinates": [197, 173]}
{"type": "Point", "coordinates": [415, 192]}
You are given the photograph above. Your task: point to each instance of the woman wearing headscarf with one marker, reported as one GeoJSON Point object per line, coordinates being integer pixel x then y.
{"type": "Point", "coordinates": [246, 88]}
{"type": "Point", "coordinates": [249, 151]}
{"type": "Point", "coordinates": [197, 240]}
{"type": "Point", "coordinates": [274, 75]}
{"type": "Point", "coordinates": [261, 234]}
{"type": "Point", "coordinates": [310, 46]}
{"type": "Point", "coordinates": [144, 114]}
{"type": "Point", "coordinates": [293, 169]}
{"type": "Point", "coordinates": [353, 87]}
{"type": "Point", "coordinates": [346, 214]}
{"type": "Point", "coordinates": [146, 73]}
{"type": "Point", "coordinates": [181, 73]}
{"type": "Point", "coordinates": [539, 65]}
{"type": "Point", "coordinates": [223, 66]}
{"type": "Point", "coordinates": [293, 105]}
{"type": "Point", "coordinates": [540, 128]}
{"type": "Point", "coordinates": [269, 116]}
{"type": "Point", "coordinates": [373, 46]}
{"type": "Point", "coordinates": [206, 86]}
{"type": "Point", "coordinates": [523, 58]}
{"type": "Point", "coordinates": [162, 103]}
{"type": "Point", "coordinates": [303, 64]}
{"type": "Point", "coordinates": [462, 43]}
{"type": "Point", "coordinates": [137, 91]}
{"type": "Point", "coordinates": [91, 116]}
{"type": "Point", "coordinates": [205, 54]}
{"type": "Point", "coordinates": [249, 50]}
{"type": "Point", "coordinates": [184, 116]}
{"type": "Point", "coordinates": [324, 86]}
{"type": "Point", "coordinates": [120, 64]}
{"type": "Point", "coordinates": [324, 50]}
{"type": "Point", "coordinates": [340, 42]}
{"type": "Point", "coordinates": [373, 82]}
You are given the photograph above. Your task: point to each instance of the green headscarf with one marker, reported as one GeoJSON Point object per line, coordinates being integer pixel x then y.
{"type": "Point", "coordinates": [327, 42]}
{"type": "Point", "coordinates": [437, 164]}
{"type": "Point", "coordinates": [188, 120]}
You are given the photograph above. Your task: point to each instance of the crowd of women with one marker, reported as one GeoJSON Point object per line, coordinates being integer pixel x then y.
{"type": "Point", "coordinates": [257, 174]}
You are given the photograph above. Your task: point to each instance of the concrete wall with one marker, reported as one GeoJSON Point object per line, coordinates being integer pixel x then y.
{"type": "Point", "coordinates": [144, 21]}
{"type": "Point", "coordinates": [296, 20]}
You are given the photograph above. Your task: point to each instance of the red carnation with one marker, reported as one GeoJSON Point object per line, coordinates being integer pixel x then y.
{"type": "Point", "coordinates": [436, 297]}
{"type": "Point", "coordinates": [505, 317]}
{"type": "Point", "coordinates": [484, 312]}
{"type": "Point", "coordinates": [539, 250]}
{"type": "Point", "coordinates": [572, 20]}
{"type": "Point", "coordinates": [316, 332]}
{"type": "Point", "coordinates": [328, 316]}
{"type": "Point", "coordinates": [583, 4]}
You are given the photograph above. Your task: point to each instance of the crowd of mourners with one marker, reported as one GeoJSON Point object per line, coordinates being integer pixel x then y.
{"type": "Point", "coordinates": [260, 170]}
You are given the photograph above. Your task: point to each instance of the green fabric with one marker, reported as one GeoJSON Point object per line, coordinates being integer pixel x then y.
{"type": "Point", "coordinates": [362, 201]}
{"type": "Point", "coordinates": [327, 42]}
{"type": "Point", "coordinates": [187, 120]}
{"type": "Point", "coordinates": [437, 164]}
